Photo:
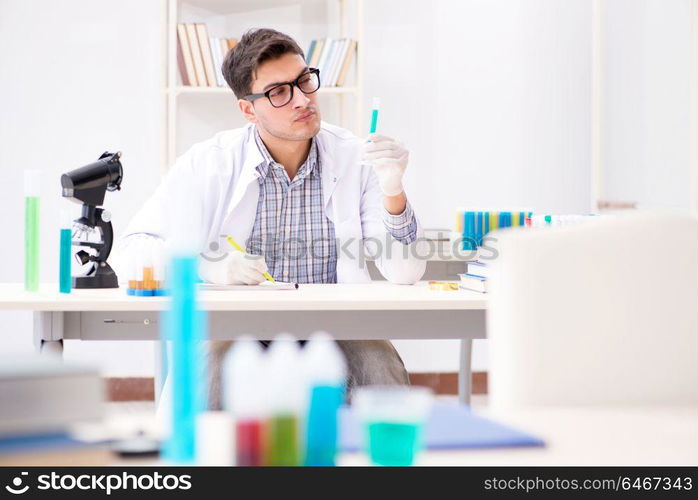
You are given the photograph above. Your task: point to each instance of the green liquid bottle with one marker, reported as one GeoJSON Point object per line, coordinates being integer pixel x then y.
{"type": "Point", "coordinates": [31, 230]}
{"type": "Point", "coordinates": [284, 445]}
{"type": "Point", "coordinates": [286, 396]}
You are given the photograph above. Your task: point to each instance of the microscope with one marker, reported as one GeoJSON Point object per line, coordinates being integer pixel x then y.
{"type": "Point", "coordinates": [93, 230]}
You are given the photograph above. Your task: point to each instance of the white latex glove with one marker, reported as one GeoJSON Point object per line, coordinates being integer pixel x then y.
{"type": "Point", "coordinates": [389, 160]}
{"type": "Point", "coordinates": [236, 268]}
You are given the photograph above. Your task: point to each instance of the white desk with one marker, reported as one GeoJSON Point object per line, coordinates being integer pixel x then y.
{"type": "Point", "coordinates": [573, 436]}
{"type": "Point", "coordinates": [584, 436]}
{"type": "Point", "coordinates": [377, 310]}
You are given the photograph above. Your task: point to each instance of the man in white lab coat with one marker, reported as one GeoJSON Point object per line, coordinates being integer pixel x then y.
{"type": "Point", "coordinates": [306, 199]}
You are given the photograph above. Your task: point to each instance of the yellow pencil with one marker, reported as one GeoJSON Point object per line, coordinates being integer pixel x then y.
{"type": "Point", "coordinates": [237, 247]}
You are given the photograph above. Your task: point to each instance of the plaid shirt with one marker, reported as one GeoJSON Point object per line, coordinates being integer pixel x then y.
{"type": "Point", "coordinates": [291, 229]}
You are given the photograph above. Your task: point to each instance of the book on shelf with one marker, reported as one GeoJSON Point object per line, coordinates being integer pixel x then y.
{"type": "Point", "coordinates": [351, 49]}
{"type": "Point", "coordinates": [224, 46]}
{"type": "Point", "coordinates": [309, 54]}
{"type": "Point", "coordinates": [329, 60]}
{"type": "Point", "coordinates": [322, 59]}
{"type": "Point", "coordinates": [314, 58]}
{"type": "Point", "coordinates": [341, 55]}
{"type": "Point", "coordinates": [334, 66]}
{"type": "Point", "coordinates": [333, 58]}
{"type": "Point", "coordinates": [196, 55]}
{"type": "Point", "coordinates": [334, 63]}
{"type": "Point", "coordinates": [213, 45]}
{"type": "Point", "coordinates": [205, 46]}
{"type": "Point", "coordinates": [217, 60]}
{"type": "Point", "coordinates": [200, 56]}
{"type": "Point", "coordinates": [184, 58]}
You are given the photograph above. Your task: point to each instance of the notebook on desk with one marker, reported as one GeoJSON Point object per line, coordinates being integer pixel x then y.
{"type": "Point", "coordinates": [450, 426]}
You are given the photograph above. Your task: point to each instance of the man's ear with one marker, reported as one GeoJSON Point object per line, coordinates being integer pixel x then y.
{"type": "Point", "coordinates": [247, 110]}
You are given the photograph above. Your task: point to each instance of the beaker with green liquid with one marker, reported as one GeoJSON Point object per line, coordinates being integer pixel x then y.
{"type": "Point", "coordinates": [393, 420]}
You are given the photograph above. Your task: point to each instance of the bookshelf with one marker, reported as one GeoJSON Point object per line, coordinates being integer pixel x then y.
{"type": "Point", "coordinates": [192, 114]}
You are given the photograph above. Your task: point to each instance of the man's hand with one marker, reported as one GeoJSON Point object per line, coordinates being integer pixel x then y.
{"type": "Point", "coordinates": [236, 268]}
{"type": "Point", "coordinates": [389, 160]}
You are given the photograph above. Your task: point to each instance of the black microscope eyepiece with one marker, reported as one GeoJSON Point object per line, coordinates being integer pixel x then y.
{"type": "Point", "coordinates": [89, 184]}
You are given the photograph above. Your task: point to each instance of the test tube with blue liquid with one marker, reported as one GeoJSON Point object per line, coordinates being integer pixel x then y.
{"type": "Point", "coordinates": [65, 279]}
{"type": "Point", "coordinates": [375, 107]}
{"type": "Point", "coordinates": [184, 326]}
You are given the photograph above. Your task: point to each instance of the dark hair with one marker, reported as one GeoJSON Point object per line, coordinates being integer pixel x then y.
{"type": "Point", "coordinates": [255, 47]}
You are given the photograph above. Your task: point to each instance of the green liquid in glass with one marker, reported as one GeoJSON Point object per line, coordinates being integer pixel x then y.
{"type": "Point", "coordinates": [284, 446]}
{"type": "Point", "coordinates": [31, 244]}
{"type": "Point", "coordinates": [393, 444]}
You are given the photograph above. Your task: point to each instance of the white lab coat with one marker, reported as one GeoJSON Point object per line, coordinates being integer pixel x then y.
{"type": "Point", "coordinates": [220, 180]}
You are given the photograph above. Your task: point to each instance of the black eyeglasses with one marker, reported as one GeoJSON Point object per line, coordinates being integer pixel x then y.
{"type": "Point", "coordinates": [281, 94]}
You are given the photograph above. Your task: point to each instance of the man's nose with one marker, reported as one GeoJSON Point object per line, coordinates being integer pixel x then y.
{"type": "Point", "coordinates": [300, 100]}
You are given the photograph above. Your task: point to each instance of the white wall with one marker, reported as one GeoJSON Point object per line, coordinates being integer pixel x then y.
{"type": "Point", "coordinates": [649, 90]}
{"type": "Point", "coordinates": [492, 98]}
{"type": "Point", "coordinates": [78, 77]}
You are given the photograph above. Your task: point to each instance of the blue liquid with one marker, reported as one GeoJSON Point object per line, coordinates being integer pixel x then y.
{"type": "Point", "coordinates": [374, 121]}
{"type": "Point", "coordinates": [321, 432]}
{"type": "Point", "coordinates": [184, 327]}
{"type": "Point", "coordinates": [469, 236]}
{"type": "Point", "coordinates": [393, 444]}
{"type": "Point", "coordinates": [65, 280]}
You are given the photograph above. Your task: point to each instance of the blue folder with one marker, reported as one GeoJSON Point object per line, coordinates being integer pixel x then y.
{"type": "Point", "coordinates": [450, 426]}
{"type": "Point", "coordinates": [39, 442]}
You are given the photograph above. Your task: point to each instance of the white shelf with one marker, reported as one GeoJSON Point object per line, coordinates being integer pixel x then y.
{"type": "Point", "coordinates": [223, 7]}
{"type": "Point", "coordinates": [228, 92]}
